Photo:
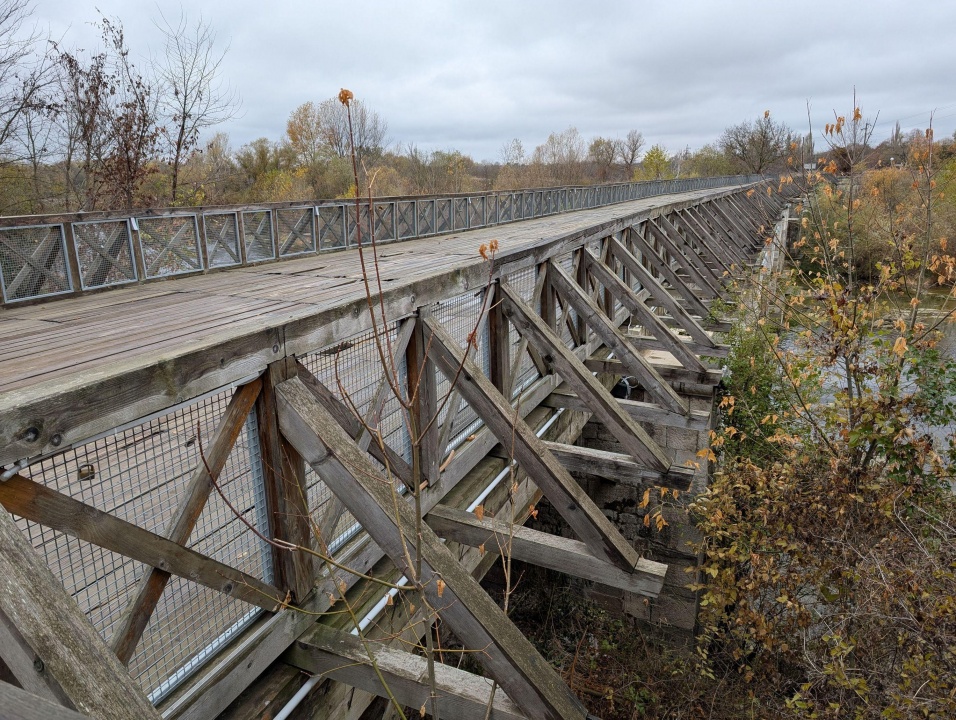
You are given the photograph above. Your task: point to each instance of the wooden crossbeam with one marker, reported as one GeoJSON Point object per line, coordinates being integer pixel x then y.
{"type": "Point", "coordinates": [50, 621]}
{"type": "Point", "coordinates": [646, 342]}
{"type": "Point", "coordinates": [34, 501]}
{"type": "Point", "coordinates": [564, 555]}
{"type": "Point", "coordinates": [660, 294]}
{"type": "Point", "coordinates": [663, 268]}
{"type": "Point", "coordinates": [461, 602]}
{"type": "Point", "coordinates": [618, 468]}
{"type": "Point", "coordinates": [689, 260]}
{"type": "Point", "coordinates": [150, 587]}
{"type": "Point", "coordinates": [20, 704]}
{"type": "Point", "coordinates": [632, 436]}
{"type": "Point", "coordinates": [26, 666]}
{"type": "Point", "coordinates": [345, 658]}
{"type": "Point", "coordinates": [720, 266]}
{"type": "Point", "coordinates": [580, 512]}
{"type": "Point", "coordinates": [670, 372]}
{"type": "Point", "coordinates": [645, 316]}
{"type": "Point", "coordinates": [639, 411]}
{"type": "Point", "coordinates": [606, 329]}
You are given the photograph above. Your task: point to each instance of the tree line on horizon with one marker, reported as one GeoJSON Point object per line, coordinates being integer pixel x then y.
{"type": "Point", "coordinates": [85, 130]}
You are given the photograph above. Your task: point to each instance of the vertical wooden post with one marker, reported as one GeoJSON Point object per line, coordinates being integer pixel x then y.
{"type": "Point", "coordinates": [423, 388]}
{"type": "Point", "coordinates": [500, 340]}
{"type": "Point", "coordinates": [581, 278]}
{"type": "Point", "coordinates": [548, 311]}
{"type": "Point", "coordinates": [285, 489]}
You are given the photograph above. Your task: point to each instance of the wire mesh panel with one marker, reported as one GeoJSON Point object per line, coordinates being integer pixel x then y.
{"type": "Point", "coordinates": [385, 221]}
{"type": "Point", "coordinates": [257, 235]}
{"type": "Point", "coordinates": [222, 239]}
{"type": "Point", "coordinates": [562, 318]}
{"type": "Point", "coordinates": [352, 371]}
{"type": "Point", "coordinates": [523, 282]}
{"type": "Point", "coordinates": [405, 218]}
{"type": "Point", "coordinates": [33, 262]}
{"type": "Point", "coordinates": [139, 474]}
{"type": "Point", "coordinates": [295, 231]}
{"type": "Point", "coordinates": [104, 251]}
{"type": "Point", "coordinates": [331, 227]}
{"type": "Point", "coordinates": [170, 245]}
{"type": "Point", "coordinates": [464, 317]}
{"type": "Point", "coordinates": [527, 205]}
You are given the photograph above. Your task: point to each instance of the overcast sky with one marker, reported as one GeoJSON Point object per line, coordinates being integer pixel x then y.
{"type": "Point", "coordinates": [471, 76]}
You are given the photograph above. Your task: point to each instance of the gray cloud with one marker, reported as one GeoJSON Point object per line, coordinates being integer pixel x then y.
{"type": "Point", "coordinates": [473, 76]}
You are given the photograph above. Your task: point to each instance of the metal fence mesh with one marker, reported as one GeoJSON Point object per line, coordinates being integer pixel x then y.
{"type": "Point", "coordinates": [33, 262]}
{"type": "Point", "coordinates": [104, 251]}
{"type": "Point", "coordinates": [352, 371]}
{"type": "Point", "coordinates": [523, 282]}
{"type": "Point", "coordinates": [222, 239]}
{"type": "Point", "coordinates": [139, 474]}
{"type": "Point", "coordinates": [170, 245]}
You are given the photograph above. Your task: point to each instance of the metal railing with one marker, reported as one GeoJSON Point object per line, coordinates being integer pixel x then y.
{"type": "Point", "coordinates": [46, 256]}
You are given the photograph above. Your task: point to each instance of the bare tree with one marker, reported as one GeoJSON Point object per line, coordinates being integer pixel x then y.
{"type": "Point", "coordinates": [23, 73]}
{"type": "Point", "coordinates": [193, 96]}
{"type": "Point", "coordinates": [630, 152]}
{"type": "Point", "coordinates": [561, 156]}
{"type": "Point", "coordinates": [603, 152]}
{"type": "Point", "coordinates": [757, 146]}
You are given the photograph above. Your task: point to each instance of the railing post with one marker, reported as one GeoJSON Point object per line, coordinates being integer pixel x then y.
{"type": "Point", "coordinates": [423, 391]}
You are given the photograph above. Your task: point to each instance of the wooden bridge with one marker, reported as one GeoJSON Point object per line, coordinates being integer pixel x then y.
{"type": "Point", "coordinates": [236, 452]}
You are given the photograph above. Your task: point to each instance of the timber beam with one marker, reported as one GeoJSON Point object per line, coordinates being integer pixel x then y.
{"type": "Point", "coordinates": [461, 602]}
{"type": "Point", "coordinates": [639, 411]}
{"type": "Point", "coordinates": [553, 552]}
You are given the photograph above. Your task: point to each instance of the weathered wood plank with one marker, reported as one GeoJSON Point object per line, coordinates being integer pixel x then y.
{"type": "Point", "coordinates": [564, 555]}
{"type": "Point", "coordinates": [618, 467]}
{"type": "Point", "coordinates": [343, 657]}
{"type": "Point", "coordinates": [17, 704]}
{"type": "Point", "coordinates": [51, 623]}
{"type": "Point", "coordinates": [638, 410]}
{"type": "Point", "coordinates": [470, 613]}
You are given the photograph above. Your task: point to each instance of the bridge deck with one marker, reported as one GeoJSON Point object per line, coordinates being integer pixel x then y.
{"type": "Point", "coordinates": [104, 343]}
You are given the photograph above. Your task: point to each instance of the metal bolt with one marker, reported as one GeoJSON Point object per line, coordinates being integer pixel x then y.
{"type": "Point", "coordinates": [38, 665]}
{"type": "Point", "coordinates": [31, 434]}
{"type": "Point", "coordinates": [56, 439]}
{"type": "Point", "coordinates": [275, 348]}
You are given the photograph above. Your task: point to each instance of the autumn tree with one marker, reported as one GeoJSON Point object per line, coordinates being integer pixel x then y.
{"type": "Point", "coordinates": [560, 157]}
{"type": "Point", "coordinates": [602, 152]}
{"type": "Point", "coordinates": [656, 165]}
{"type": "Point", "coordinates": [629, 151]}
{"type": "Point", "coordinates": [757, 146]}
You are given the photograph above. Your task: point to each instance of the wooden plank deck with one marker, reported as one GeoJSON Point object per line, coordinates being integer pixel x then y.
{"type": "Point", "coordinates": [73, 367]}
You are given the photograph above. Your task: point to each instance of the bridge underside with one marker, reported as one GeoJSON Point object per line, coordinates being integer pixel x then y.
{"type": "Point", "coordinates": [224, 476]}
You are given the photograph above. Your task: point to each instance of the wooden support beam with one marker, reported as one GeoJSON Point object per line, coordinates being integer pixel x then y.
{"type": "Point", "coordinates": [427, 441]}
{"type": "Point", "coordinates": [52, 624]}
{"type": "Point", "coordinates": [505, 653]}
{"type": "Point", "coordinates": [618, 468]}
{"type": "Point", "coordinates": [645, 316]}
{"type": "Point", "coordinates": [632, 436]}
{"type": "Point", "coordinates": [37, 502]}
{"type": "Point", "coordinates": [646, 342]}
{"type": "Point", "coordinates": [660, 294]}
{"type": "Point", "coordinates": [664, 269]}
{"type": "Point", "coordinates": [26, 666]}
{"type": "Point", "coordinates": [384, 454]}
{"type": "Point", "coordinates": [639, 411]}
{"type": "Point", "coordinates": [605, 328]}
{"type": "Point", "coordinates": [150, 586]}
{"type": "Point", "coordinates": [564, 555]}
{"type": "Point", "coordinates": [674, 243]}
{"type": "Point", "coordinates": [672, 373]}
{"type": "Point", "coordinates": [500, 372]}
{"type": "Point", "coordinates": [720, 266]}
{"type": "Point", "coordinates": [286, 491]}
{"type": "Point", "coordinates": [345, 658]}
{"type": "Point", "coordinates": [580, 512]}
{"type": "Point", "coordinates": [18, 704]}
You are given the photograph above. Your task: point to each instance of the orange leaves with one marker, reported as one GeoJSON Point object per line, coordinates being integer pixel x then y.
{"type": "Point", "coordinates": [345, 96]}
{"type": "Point", "coordinates": [480, 512]}
{"type": "Point", "coordinates": [899, 347]}
{"type": "Point", "coordinates": [440, 587]}
{"type": "Point", "coordinates": [488, 250]}
{"type": "Point", "coordinates": [533, 512]}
